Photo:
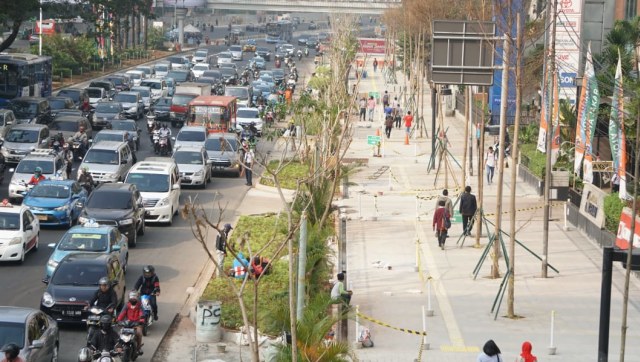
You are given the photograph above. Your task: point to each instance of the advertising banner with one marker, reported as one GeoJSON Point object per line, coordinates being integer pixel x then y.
{"type": "Point", "coordinates": [624, 230]}
{"type": "Point", "coordinates": [567, 38]}
{"type": "Point", "coordinates": [617, 139]}
{"type": "Point", "coordinates": [588, 99]}
{"type": "Point", "coordinates": [372, 46]}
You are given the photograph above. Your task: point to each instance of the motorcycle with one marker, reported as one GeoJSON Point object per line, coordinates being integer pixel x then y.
{"type": "Point", "coordinates": [27, 187]}
{"type": "Point", "coordinates": [291, 84]}
{"type": "Point", "coordinates": [86, 354]}
{"type": "Point", "coordinates": [163, 145]}
{"type": "Point", "coordinates": [76, 148]}
{"type": "Point", "coordinates": [270, 117]}
{"type": "Point", "coordinates": [277, 63]}
{"type": "Point", "coordinates": [155, 140]}
{"type": "Point", "coordinates": [306, 52]}
{"type": "Point", "coordinates": [299, 55]}
{"type": "Point", "coordinates": [130, 349]}
{"type": "Point", "coordinates": [256, 74]}
{"type": "Point", "coordinates": [145, 299]}
{"type": "Point", "coordinates": [218, 89]}
{"type": "Point", "coordinates": [93, 319]}
{"type": "Point", "coordinates": [250, 133]}
{"type": "Point", "coordinates": [151, 122]}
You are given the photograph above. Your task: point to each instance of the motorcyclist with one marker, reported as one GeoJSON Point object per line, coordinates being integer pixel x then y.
{"type": "Point", "coordinates": [37, 176]}
{"type": "Point", "coordinates": [149, 284]}
{"type": "Point", "coordinates": [67, 156]}
{"type": "Point", "coordinates": [107, 339]}
{"type": "Point", "coordinates": [166, 132]}
{"type": "Point", "coordinates": [105, 297]}
{"type": "Point", "coordinates": [11, 352]}
{"type": "Point", "coordinates": [85, 106]}
{"type": "Point", "coordinates": [81, 137]}
{"type": "Point", "coordinates": [133, 312]}
{"type": "Point", "coordinates": [155, 136]}
{"type": "Point", "coordinates": [85, 179]}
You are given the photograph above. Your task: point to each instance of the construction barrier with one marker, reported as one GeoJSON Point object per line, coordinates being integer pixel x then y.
{"type": "Point", "coordinates": [381, 323]}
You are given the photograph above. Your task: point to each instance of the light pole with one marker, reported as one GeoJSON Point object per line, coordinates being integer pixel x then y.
{"type": "Point", "coordinates": [40, 32]}
{"type": "Point", "coordinates": [175, 13]}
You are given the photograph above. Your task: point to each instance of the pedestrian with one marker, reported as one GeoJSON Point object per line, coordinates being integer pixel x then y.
{"type": "Point", "coordinates": [490, 353]}
{"type": "Point", "coordinates": [441, 223]}
{"type": "Point", "coordinates": [221, 248]}
{"type": "Point", "coordinates": [385, 99]}
{"type": "Point", "coordinates": [525, 355]}
{"type": "Point", "coordinates": [248, 163]}
{"type": "Point", "coordinates": [371, 106]}
{"type": "Point", "coordinates": [408, 119]}
{"type": "Point", "coordinates": [398, 115]}
{"type": "Point", "coordinates": [339, 293]}
{"type": "Point", "coordinates": [615, 183]}
{"type": "Point", "coordinates": [375, 65]}
{"type": "Point", "coordinates": [490, 164]}
{"type": "Point", "coordinates": [363, 109]}
{"type": "Point", "coordinates": [388, 125]}
{"type": "Point", "coordinates": [468, 208]}
{"type": "Point", "coordinates": [388, 111]}
{"type": "Point", "coordinates": [448, 204]}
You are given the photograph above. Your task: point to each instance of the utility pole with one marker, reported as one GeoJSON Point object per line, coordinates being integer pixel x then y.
{"type": "Point", "coordinates": [481, 168]}
{"type": "Point", "coordinates": [495, 268]}
{"type": "Point", "coordinates": [551, 11]}
{"type": "Point", "coordinates": [514, 151]}
{"type": "Point", "coordinates": [467, 89]}
{"type": "Point", "coordinates": [302, 265]}
{"type": "Point", "coordinates": [40, 32]}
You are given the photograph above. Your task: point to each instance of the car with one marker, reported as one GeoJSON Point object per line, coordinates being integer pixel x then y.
{"type": "Point", "coordinates": [108, 161]}
{"type": "Point", "coordinates": [60, 103]}
{"type": "Point", "coordinates": [224, 57]}
{"type": "Point", "coordinates": [74, 283]}
{"type": "Point", "coordinates": [193, 136]}
{"type": "Point", "coordinates": [236, 52]}
{"type": "Point", "coordinates": [194, 166]}
{"type": "Point", "coordinates": [19, 232]}
{"type": "Point", "coordinates": [120, 81]}
{"type": "Point", "coordinates": [33, 110]}
{"type": "Point", "coordinates": [260, 89]}
{"type": "Point", "coordinates": [21, 139]}
{"type": "Point", "coordinates": [229, 66]}
{"type": "Point", "coordinates": [280, 55]}
{"type": "Point", "coordinates": [223, 150]}
{"type": "Point", "coordinates": [201, 56]}
{"type": "Point", "coordinates": [109, 135]}
{"type": "Point", "coordinates": [161, 69]}
{"type": "Point", "coordinates": [171, 86]}
{"type": "Point", "coordinates": [179, 62]}
{"type": "Point", "coordinates": [68, 125]}
{"type": "Point", "coordinates": [206, 80]}
{"type": "Point", "coordinates": [158, 181]}
{"type": "Point", "coordinates": [136, 76]}
{"type": "Point", "coordinates": [132, 104]}
{"type": "Point", "coordinates": [246, 116]}
{"type": "Point", "coordinates": [129, 126]}
{"type": "Point", "coordinates": [180, 75]}
{"type": "Point", "coordinates": [258, 63]}
{"type": "Point", "coordinates": [105, 84]}
{"type": "Point", "coordinates": [278, 75]}
{"type": "Point", "coordinates": [7, 118]}
{"type": "Point", "coordinates": [145, 94]}
{"type": "Point", "coordinates": [313, 25]}
{"type": "Point", "coordinates": [35, 333]}
{"type": "Point", "coordinates": [106, 112]}
{"type": "Point", "coordinates": [244, 95]}
{"type": "Point", "coordinates": [324, 37]}
{"type": "Point", "coordinates": [89, 238]}
{"type": "Point", "coordinates": [312, 42]}
{"type": "Point", "coordinates": [229, 76]}
{"type": "Point", "coordinates": [117, 204]}
{"type": "Point", "coordinates": [267, 79]}
{"type": "Point", "coordinates": [288, 49]}
{"type": "Point", "coordinates": [96, 94]}
{"type": "Point", "coordinates": [249, 46]}
{"type": "Point", "coordinates": [148, 71]}
{"type": "Point", "coordinates": [199, 68]}
{"type": "Point", "coordinates": [78, 95]}
{"type": "Point", "coordinates": [213, 74]}
{"type": "Point", "coordinates": [158, 87]}
{"type": "Point", "coordinates": [264, 53]}
{"type": "Point", "coordinates": [52, 164]}
{"type": "Point", "coordinates": [251, 27]}
{"type": "Point", "coordinates": [161, 108]}
{"type": "Point", "coordinates": [302, 40]}
{"type": "Point", "coordinates": [56, 202]}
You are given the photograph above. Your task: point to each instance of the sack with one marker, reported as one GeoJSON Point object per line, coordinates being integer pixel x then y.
{"type": "Point", "coordinates": [447, 221]}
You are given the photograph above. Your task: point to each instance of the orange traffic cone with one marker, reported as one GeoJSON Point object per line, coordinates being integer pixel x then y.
{"type": "Point", "coordinates": [406, 138]}
{"type": "Point", "coordinates": [378, 132]}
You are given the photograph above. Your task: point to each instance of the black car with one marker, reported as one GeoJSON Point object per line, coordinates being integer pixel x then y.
{"type": "Point", "coordinates": [312, 43]}
{"type": "Point", "coordinates": [264, 53]}
{"type": "Point", "coordinates": [302, 41]}
{"type": "Point", "coordinates": [278, 75]}
{"type": "Point", "coordinates": [117, 204]}
{"type": "Point", "coordinates": [35, 333]}
{"type": "Point", "coordinates": [106, 112]}
{"type": "Point", "coordinates": [229, 76]}
{"type": "Point", "coordinates": [120, 81]}
{"type": "Point", "coordinates": [107, 85]}
{"type": "Point", "coordinates": [78, 95]}
{"type": "Point", "coordinates": [75, 281]}
{"type": "Point", "coordinates": [161, 108]}
{"type": "Point", "coordinates": [181, 75]}
{"type": "Point", "coordinates": [215, 74]}
{"type": "Point", "coordinates": [35, 110]}
{"type": "Point", "coordinates": [58, 104]}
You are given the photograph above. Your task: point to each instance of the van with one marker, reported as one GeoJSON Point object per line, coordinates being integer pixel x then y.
{"type": "Point", "coordinates": [158, 180]}
{"type": "Point", "coordinates": [136, 76]}
{"type": "Point", "coordinates": [108, 161]}
{"type": "Point", "coordinates": [51, 163]}
{"type": "Point", "coordinates": [21, 139]}
{"type": "Point", "coordinates": [244, 95]}
{"type": "Point", "coordinates": [158, 87]}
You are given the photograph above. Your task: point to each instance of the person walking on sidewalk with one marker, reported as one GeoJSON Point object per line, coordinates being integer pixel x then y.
{"type": "Point", "coordinates": [375, 65]}
{"type": "Point", "coordinates": [408, 120]}
{"type": "Point", "coordinates": [385, 99]}
{"type": "Point", "coordinates": [525, 355]}
{"type": "Point", "coordinates": [397, 117]}
{"type": "Point", "coordinates": [363, 109]}
{"type": "Point", "coordinates": [441, 223]}
{"type": "Point", "coordinates": [447, 201]}
{"type": "Point", "coordinates": [221, 248]}
{"type": "Point", "coordinates": [490, 164]}
{"type": "Point", "coordinates": [371, 106]}
{"type": "Point", "coordinates": [248, 163]}
{"type": "Point", "coordinates": [490, 353]}
{"type": "Point", "coordinates": [388, 125]}
{"type": "Point", "coordinates": [468, 208]}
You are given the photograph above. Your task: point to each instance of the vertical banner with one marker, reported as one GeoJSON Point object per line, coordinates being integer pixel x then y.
{"type": "Point", "coordinates": [545, 111]}
{"type": "Point", "coordinates": [583, 112]}
{"type": "Point", "coordinates": [617, 139]}
{"type": "Point", "coordinates": [555, 125]}
{"type": "Point", "coordinates": [593, 100]}
{"type": "Point", "coordinates": [568, 38]}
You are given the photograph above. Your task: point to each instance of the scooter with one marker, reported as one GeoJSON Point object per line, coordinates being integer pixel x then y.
{"type": "Point", "coordinates": [306, 52]}
{"type": "Point", "coordinates": [93, 319]}
{"type": "Point", "coordinates": [270, 117]}
{"type": "Point", "coordinates": [145, 299]}
{"type": "Point", "coordinates": [87, 354]}
{"type": "Point", "coordinates": [151, 122]}
{"type": "Point", "coordinates": [163, 145]}
{"type": "Point", "coordinates": [299, 54]}
{"type": "Point", "coordinates": [155, 139]}
{"type": "Point", "coordinates": [130, 349]}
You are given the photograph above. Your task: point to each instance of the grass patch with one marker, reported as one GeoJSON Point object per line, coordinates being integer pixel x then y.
{"type": "Point", "coordinates": [533, 159]}
{"type": "Point", "coordinates": [262, 228]}
{"type": "Point", "coordinates": [289, 176]}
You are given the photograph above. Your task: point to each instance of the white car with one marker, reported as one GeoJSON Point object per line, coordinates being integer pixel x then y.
{"type": "Point", "coordinates": [224, 58]}
{"type": "Point", "coordinates": [158, 87]}
{"type": "Point", "coordinates": [19, 232]}
{"type": "Point", "coordinates": [194, 166]}
{"type": "Point", "coordinates": [288, 48]}
{"type": "Point", "coordinates": [246, 116]}
{"type": "Point", "coordinates": [200, 56]}
{"type": "Point", "coordinates": [162, 69]}
{"type": "Point", "coordinates": [199, 68]}
{"type": "Point", "coordinates": [236, 52]}
{"type": "Point", "coordinates": [136, 76]}
{"type": "Point", "coordinates": [158, 181]}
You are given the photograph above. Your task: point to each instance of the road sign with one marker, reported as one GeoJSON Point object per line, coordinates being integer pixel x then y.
{"type": "Point", "coordinates": [373, 140]}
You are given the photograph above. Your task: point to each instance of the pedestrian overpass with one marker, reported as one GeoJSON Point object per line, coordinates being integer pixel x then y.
{"type": "Point", "coordinates": [368, 7]}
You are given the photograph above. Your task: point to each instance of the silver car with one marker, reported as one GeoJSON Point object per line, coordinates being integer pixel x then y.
{"type": "Point", "coordinates": [224, 152]}
{"type": "Point", "coordinates": [22, 139]}
{"type": "Point", "coordinates": [194, 166]}
{"type": "Point", "coordinates": [33, 332]}
{"type": "Point", "coordinates": [236, 52]}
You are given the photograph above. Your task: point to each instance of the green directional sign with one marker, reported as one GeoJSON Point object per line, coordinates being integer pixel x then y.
{"type": "Point", "coordinates": [375, 95]}
{"type": "Point", "coordinates": [373, 140]}
{"type": "Point", "coordinates": [457, 217]}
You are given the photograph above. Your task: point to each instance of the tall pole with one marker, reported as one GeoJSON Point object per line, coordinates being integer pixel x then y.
{"type": "Point", "coordinates": [495, 269]}
{"type": "Point", "coordinates": [434, 105]}
{"type": "Point", "coordinates": [40, 32]}
{"type": "Point", "coordinates": [605, 304]}
{"type": "Point", "coordinates": [470, 126]}
{"type": "Point", "coordinates": [514, 151]}
{"type": "Point", "coordinates": [481, 168]}
{"type": "Point", "coordinates": [302, 266]}
{"type": "Point", "coordinates": [551, 10]}
{"type": "Point", "coordinates": [467, 89]}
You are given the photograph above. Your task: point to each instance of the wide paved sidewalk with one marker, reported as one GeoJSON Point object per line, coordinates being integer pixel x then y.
{"type": "Point", "coordinates": [390, 207]}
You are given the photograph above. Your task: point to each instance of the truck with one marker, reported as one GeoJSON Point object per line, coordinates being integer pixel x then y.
{"type": "Point", "coordinates": [185, 93]}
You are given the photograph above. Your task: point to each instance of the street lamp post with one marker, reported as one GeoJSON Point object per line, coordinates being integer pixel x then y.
{"type": "Point", "coordinates": [40, 32]}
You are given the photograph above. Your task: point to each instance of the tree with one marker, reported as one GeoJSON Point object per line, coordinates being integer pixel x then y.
{"type": "Point", "coordinates": [15, 12]}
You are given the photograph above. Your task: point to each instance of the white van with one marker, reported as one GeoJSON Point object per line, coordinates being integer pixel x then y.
{"type": "Point", "coordinates": [158, 181]}
{"type": "Point", "coordinates": [136, 76]}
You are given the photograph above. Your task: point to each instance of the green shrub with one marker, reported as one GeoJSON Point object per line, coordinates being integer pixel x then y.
{"type": "Point", "coordinates": [288, 177]}
{"type": "Point", "coordinates": [612, 210]}
{"type": "Point", "coordinates": [533, 159]}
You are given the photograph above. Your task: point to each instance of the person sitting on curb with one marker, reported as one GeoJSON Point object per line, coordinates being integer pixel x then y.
{"type": "Point", "coordinates": [338, 292]}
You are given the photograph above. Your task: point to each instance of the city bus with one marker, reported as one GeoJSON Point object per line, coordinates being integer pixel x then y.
{"type": "Point", "coordinates": [217, 113]}
{"type": "Point", "coordinates": [23, 75]}
{"type": "Point", "coordinates": [279, 31]}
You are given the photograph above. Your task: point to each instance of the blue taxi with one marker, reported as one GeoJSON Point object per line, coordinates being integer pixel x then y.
{"type": "Point", "coordinates": [89, 238]}
{"type": "Point", "coordinates": [56, 202]}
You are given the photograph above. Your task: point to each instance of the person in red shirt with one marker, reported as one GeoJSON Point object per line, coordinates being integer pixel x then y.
{"type": "Point", "coordinates": [11, 353]}
{"type": "Point", "coordinates": [408, 120]}
{"type": "Point", "coordinates": [439, 224]}
{"type": "Point", "coordinates": [37, 176]}
{"type": "Point", "coordinates": [133, 312]}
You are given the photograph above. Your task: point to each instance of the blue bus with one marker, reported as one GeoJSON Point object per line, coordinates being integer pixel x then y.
{"type": "Point", "coordinates": [279, 31]}
{"type": "Point", "coordinates": [23, 75]}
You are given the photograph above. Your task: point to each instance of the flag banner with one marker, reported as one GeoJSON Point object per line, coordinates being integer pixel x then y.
{"type": "Point", "coordinates": [555, 141]}
{"type": "Point", "coordinates": [588, 97]}
{"type": "Point", "coordinates": [617, 139]}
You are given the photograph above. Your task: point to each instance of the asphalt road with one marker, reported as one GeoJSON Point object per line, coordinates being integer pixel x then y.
{"type": "Point", "coordinates": [178, 258]}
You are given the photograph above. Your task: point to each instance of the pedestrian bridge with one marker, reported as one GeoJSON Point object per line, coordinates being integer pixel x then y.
{"type": "Point", "coordinates": [369, 7]}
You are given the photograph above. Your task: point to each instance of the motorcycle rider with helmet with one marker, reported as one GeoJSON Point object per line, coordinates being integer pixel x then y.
{"type": "Point", "coordinates": [107, 339]}
{"type": "Point", "coordinates": [37, 176]}
{"type": "Point", "coordinates": [105, 297]}
{"type": "Point", "coordinates": [166, 132]}
{"type": "Point", "coordinates": [11, 353]}
{"type": "Point", "coordinates": [149, 284]}
{"type": "Point", "coordinates": [85, 179]}
{"type": "Point", "coordinates": [81, 137]}
{"type": "Point", "coordinates": [133, 312]}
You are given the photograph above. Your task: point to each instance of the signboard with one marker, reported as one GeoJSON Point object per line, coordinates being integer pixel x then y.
{"type": "Point", "coordinates": [602, 166]}
{"type": "Point", "coordinates": [373, 140]}
{"type": "Point", "coordinates": [184, 3]}
{"type": "Point", "coordinates": [462, 52]}
{"type": "Point", "coordinates": [371, 46]}
{"type": "Point", "coordinates": [592, 204]}
{"type": "Point", "coordinates": [624, 230]}
{"type": "Point", "coordinates": [567, 39]}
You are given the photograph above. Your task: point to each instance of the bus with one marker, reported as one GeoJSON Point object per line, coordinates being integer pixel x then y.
{"type": "Point", "coordinates": [217, 113]}
{"type": "Point", "coordinates": [23, 75]}
{"type": "Point", "coordinates": [279, 31]}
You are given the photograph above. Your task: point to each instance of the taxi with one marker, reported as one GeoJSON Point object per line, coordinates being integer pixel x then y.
{"type": "Point", "coordinates": [19, 231]}
{"type": "Point", "coordinates": [89, 238]}
{"type": "Point", "coordinates": [249, 46]}
{"type": "Point", "coordinates": [56, 202]}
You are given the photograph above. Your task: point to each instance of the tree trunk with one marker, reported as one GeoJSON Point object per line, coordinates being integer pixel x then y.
{"type": "Point", "coordinates": [15, 29]}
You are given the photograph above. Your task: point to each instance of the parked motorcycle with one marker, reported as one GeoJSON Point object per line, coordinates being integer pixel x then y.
{"type": "Point", "coordinates": [130, 349]}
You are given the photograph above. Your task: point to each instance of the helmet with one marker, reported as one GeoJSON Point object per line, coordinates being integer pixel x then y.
{"type": "Point", "coordinates": [38, 171]}
{"type": "Point", "coordinates": [227, 227]}
{"type": "Point", "coordinates": [148, 269]}
{"type": "Point", "coordinates": [105, 322]}
{"type": "Point", "coordinates": [133, 295]}
{"type": "Point", "coordinates": [85, 169]}
{"type": "Point", "coordinates": [103, 281]}
{"type": "Point", "coordinates": [12, 349]}
{"type": "Point", "coordinates": [84, 355]}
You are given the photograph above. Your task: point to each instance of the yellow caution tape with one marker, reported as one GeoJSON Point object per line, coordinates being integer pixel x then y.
{"type": "Point", "coordinates": [410, 331]}
{"type": "Point", "coordinates": [538, 207]}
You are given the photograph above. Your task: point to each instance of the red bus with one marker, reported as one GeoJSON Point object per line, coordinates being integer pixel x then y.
{"type": "Point", "coordinates": [217, 113]}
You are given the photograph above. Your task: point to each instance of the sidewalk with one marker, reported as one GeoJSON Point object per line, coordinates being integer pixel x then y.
{"type": "Point", "coordinates": [382, 231]}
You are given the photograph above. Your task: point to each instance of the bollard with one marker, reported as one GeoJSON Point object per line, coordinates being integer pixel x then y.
{"type": "Point", "coordinates": [345, 187]}
{"type": "Point", "coordinates": [429, 309]}
{"type": "Point", "coordinates": [390, 186]}
{"type": "Point", "coordinates": [552, 347]}
{"type": "Point", "coordinates": [425, 345]}
{"type": "Point", "coordinates": [566, 215]}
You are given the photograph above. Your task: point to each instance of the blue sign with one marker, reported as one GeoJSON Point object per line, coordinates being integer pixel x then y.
{"type": "Point", "coordinates": [567, 80]}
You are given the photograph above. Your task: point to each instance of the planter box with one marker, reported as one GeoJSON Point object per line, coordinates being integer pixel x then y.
{"type": "Point", "coordinates": [532, 180]}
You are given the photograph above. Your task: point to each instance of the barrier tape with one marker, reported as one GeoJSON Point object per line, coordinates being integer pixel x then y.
{"type": "Point", "coordinates": [526, 209]}
{"type": "Point", "coordinates": [410, 331]}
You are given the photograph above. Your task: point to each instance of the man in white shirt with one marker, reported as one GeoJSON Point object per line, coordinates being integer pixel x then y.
{"type": "Point", "coordinates": [248, 163]}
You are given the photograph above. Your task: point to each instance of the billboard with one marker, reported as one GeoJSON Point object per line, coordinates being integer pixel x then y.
{"type": "Point", "coordinates": [567, 37]}
{"type": "Point", "coordinates": [372, 46]}
{"type": "Point", "coordinates": [624, 230]}
{"type": "Point", "coordinates": [184, 3]}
